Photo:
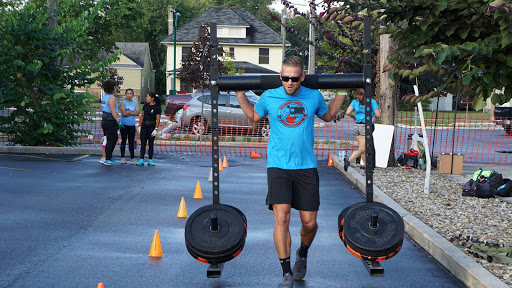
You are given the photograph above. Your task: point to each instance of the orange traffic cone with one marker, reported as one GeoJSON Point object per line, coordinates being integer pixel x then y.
{"type": "Point", "coordinates": [182, 211]}
{"type": "Point", "coordinates": [156, 247]}
{"type": "Point", "coordinates": [220, 165]}
{"type": "Point", "coordinates": [225, 163]}
{"type": "Point", "coordinates": [254, 155]}
{"type": "Point", "coordinates": [100, 285]}
{"type": "Point", "coordinates": [330, 163]}
{"type": "Point", "coordinates": [197, 193]}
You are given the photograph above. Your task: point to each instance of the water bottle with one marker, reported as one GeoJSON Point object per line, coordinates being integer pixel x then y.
{"type": "Point", "coordinates": [343, 155]}
{"type": "Point", "coordinates": [339, 156]}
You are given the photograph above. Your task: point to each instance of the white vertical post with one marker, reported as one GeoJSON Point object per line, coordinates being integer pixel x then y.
{"type": "Point", "coordinates": [426, 188]}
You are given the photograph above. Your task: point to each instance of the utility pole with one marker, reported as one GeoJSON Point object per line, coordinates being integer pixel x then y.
{"type": "Point", "coordinates": [311, 64]}
{"type": "Point", "coordinates": [283, 30]}
{"type": "Point", "coordinates": [172, 16]}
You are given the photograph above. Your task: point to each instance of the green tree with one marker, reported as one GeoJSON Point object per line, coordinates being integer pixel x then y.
{"type": "Point", "coordinates": [463, 42]}
{"type": "Point", "coordinates": [154, 26]}
{"type": "Point", "coordinates": [38, 80]}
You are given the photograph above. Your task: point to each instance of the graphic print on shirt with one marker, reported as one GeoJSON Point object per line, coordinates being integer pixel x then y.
{"type": "Point", "coordinates": [292, 113]}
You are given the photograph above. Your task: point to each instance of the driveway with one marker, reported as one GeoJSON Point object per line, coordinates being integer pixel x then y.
{"type": "Point", "coordinates": [69, 221]}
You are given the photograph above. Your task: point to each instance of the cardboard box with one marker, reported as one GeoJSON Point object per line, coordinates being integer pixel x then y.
{"type": "Point", "coordinates": [444, 163]}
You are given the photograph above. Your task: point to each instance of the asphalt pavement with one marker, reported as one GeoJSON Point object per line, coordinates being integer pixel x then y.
{"type": "Point", "coordinates": [69, 221]}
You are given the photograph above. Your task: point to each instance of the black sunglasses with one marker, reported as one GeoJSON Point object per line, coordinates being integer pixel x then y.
{"type": "Point", "coordinates": [287, 78]}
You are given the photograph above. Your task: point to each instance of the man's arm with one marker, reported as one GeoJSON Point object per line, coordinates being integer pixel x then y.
{"type": "Point", "coordinates": [335, 106]}
{"type": "Point", "coordinates": [247, 107]}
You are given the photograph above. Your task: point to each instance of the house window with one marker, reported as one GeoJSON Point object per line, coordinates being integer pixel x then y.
{"type": "Point", "coordinates": [120, 81]}
{"type": "Point", "coordinates": [264, 56]}
{"type": "Point", "coordinates": [220, 32]}
{"type": "Point", "coordinates": [184, 52]}
{"type": "Point", "coordinates": [186, 87]}
{"type": "Point", "coordinates": [231, 52]}
{"type": "Point", "coordinates": [235, 32]}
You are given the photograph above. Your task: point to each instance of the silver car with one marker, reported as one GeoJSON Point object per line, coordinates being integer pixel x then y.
{"type": "Point", "coordinates": [231, 117]}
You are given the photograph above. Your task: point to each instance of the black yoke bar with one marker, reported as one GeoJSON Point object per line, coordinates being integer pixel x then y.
{"type": "Point", "coordinates": [264, 82]}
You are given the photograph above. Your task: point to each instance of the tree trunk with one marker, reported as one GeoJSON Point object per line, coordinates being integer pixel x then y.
{"type": "Point", "coordinates": [52, 7]}
{"type": "Point", "coordinates": [387, 92]}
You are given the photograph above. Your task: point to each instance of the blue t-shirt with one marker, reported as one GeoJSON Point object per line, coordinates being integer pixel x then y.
{"type": "Point", "coordinates": [104, 103]}
{"type": "Point", "coordinates": [129, 106]}
{"type": "Point", "coordinates": [291, 118]}
{"type": "Point", "coordinates": [360, 109]}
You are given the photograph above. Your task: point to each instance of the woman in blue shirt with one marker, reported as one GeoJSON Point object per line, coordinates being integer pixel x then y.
{"type": "Point", "coordinates": [110, 119]}
{"type": "Point", "coordinates": [129, 109]}
{"type": "Point", "coordinates": [357, 105]}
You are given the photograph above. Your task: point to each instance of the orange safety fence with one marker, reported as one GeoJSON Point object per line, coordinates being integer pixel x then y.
{"type": "Point", "coordinates": [474, 136]}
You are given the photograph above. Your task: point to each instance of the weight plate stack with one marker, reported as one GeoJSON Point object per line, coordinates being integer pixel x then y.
{"type": "Point", "coordinates": [373, 231]}
{"type": "Point", "coordinates": [215, 233]}
{"type": "Point", "coordinates": [342, 215]}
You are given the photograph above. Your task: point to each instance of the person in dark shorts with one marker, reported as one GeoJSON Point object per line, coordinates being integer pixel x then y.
{"type": "Point", "coordinates": [149, 121]}
{"type": "Point", "coordinates": [291, 166]}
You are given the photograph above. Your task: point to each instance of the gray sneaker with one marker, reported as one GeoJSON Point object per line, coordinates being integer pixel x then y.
{"type": "Point", "coordinates": [123, 161]}
{"type": "Point", "coordinates": [299, 269]}
{"type": "Point", "coordinates": [287, 281]}
{"type": "Point", "coordinates": [133, 161]}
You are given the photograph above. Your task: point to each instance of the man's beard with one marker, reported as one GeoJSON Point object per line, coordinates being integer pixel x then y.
{"type": "Point", "coordinates": [293, 91]}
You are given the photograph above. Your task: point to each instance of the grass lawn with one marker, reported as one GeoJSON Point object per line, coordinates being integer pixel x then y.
{"type": "Point", "coordinates": [444, 118]}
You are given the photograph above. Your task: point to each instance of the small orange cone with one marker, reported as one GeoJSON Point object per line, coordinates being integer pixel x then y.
{"type": "Point", "coordinates": [220, 165]}
{"type": "Point", "coordinates": [156, 247]}
{"type": "Point", "coordinates": [225, 163]}
{"type": "Point", "coordinates": [330, 163]}
{"type": "Point", "coordinates": [182, 211]}
{"type": "Point", "coordinates": [100, 285]}
{"type": "Point", "coordinates": [254, 155]}
{"type": "Point", "coordinates": [197, 193]}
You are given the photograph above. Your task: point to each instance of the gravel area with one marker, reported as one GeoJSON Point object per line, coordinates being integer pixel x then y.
{"type": "Point", "coordinates": [482, 228]}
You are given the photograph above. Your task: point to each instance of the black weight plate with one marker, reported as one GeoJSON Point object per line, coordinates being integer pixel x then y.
{"type": "Point", "coordinates": [379, 243]}
{"type": "Point", "coordinates": [343, 213]}
{"type": "Point", "coordinates": [215, 246]}
{"type": "Point", "coordinates": [239, 212]}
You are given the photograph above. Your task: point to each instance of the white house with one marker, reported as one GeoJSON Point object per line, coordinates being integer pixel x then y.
{"type": "Point", "coordinates": [254, 47]}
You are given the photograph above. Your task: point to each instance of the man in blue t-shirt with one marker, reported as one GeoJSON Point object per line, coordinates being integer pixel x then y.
{"type": "Point", "coordinates": [292, 174]}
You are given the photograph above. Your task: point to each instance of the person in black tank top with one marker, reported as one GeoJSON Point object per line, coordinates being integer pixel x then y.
{"type": "Point", "coordinates": [149, 121]}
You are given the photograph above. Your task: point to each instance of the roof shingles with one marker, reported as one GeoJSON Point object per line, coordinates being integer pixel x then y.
{"type": "Point", "coordinates": [257, 32]}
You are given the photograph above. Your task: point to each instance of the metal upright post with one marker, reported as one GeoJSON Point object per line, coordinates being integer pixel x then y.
{"type": "Point", "coordinates": [214, 270]}
{"type": "Point", "coordinates": [214, 94]}
{"type": "Point", "coordinates": [368, 91]}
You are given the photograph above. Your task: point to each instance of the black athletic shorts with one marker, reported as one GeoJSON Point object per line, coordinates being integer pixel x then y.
{"type": "Point", "coordinates": [299, 188]}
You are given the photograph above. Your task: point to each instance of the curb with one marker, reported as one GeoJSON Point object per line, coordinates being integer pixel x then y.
{"type": "Point", "coordinates": [58, 150]}
{"type": "Point", "coordinates": [452, 258]}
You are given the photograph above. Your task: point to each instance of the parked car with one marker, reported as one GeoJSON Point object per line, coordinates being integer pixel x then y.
{"type": "Point", "coordinates": [175, 103]}
{"type": "Point", "coordinates": [231, 117]}
{"type": "Point", "coordinates": [503, 117]}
